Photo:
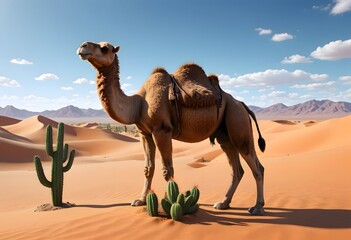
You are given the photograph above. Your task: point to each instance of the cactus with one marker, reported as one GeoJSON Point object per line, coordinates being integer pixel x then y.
{"type": "Point", "coordinates": [172, 191]}
{"type": "Point", "coordinates": [176, 212]}
{"type": "Point", "coordinates": [166, 206]}
{"type": "Point", "coordinates": [181, 199]}
{"type": "Point", "coordinates": [152, 204]}
{"type": "Point", "coordinates": [175, 204]}
{"type": "Point", "coordinates": [59, 157]}
{"type": "Point", "coordinates": [195, 192]}
{"type": "Point", "coordinates": [190, 205]}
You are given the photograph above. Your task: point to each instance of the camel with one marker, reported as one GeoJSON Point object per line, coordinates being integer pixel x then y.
{"type": "Point", "coordinates": [160, 116]}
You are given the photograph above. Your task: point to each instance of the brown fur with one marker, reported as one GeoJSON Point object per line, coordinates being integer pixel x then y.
{"type": "Point", "coordinates": [157, 119]}
{"type": "Point", "coordinates": [196, 89]}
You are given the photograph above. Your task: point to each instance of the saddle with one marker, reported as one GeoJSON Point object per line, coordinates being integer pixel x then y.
{"type": "Point", "coordinates": [192, 88]}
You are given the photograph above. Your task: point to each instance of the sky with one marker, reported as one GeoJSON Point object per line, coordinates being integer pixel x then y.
{"type": "Point", "coordinates": [264, 52]}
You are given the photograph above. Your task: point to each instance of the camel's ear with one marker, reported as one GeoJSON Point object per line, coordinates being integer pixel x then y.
{"type": "Point", "coordinates": [115, 49]}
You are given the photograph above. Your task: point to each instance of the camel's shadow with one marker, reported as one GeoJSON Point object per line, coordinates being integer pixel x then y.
{"type": "Point", "coordinates": [316, 218]}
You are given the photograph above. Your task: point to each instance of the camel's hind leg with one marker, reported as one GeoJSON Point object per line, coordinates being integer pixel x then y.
{"type": "Point", "coordinates": [239, 130]}
{"type": "Point", "coordinates": [258, 172]}
{"type": "Point", "coordinates": [238, 172]}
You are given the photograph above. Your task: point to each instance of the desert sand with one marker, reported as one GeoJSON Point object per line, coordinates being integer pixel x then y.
{"type": "Point", "coordinates": [307, 185]}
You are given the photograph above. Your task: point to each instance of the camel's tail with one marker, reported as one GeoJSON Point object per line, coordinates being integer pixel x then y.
{"type": "Point", "coordinates": [261, 141]}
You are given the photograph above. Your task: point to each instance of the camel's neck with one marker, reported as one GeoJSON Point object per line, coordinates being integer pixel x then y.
{"type": "Point", "coordinates": [120, 107]}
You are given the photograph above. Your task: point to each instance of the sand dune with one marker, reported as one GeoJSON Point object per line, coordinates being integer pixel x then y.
{"type": "Point", "coordinates": [29, 136]}
{"type": "Point", "coordinates": [307, 167]}
{"type": "Point", "coordinates": [8, 121]}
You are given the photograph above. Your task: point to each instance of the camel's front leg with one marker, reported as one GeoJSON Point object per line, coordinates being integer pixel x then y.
{"type": "Point", "coordinates": [149, 153]}
{"type": "Point", "coordinates": [163, 140]}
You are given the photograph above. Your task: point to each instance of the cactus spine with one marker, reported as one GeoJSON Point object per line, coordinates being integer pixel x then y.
{"type": "Point", "coordinates": [152, 204]}
{"type": "Point", "coordinates": [59, 157]}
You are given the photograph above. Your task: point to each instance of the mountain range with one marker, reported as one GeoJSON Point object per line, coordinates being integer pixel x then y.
{"type": "Point", "coordinates": [314, 109]}
{"type": "Point", "coordinates": [65, 112]}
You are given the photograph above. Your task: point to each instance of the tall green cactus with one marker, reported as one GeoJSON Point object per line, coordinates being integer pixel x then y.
{"type": "Point", "coordinates": [59, 157]}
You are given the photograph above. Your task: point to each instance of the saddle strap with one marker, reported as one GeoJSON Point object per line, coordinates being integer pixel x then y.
{"type": "Point", "coordinates": [177, 96]}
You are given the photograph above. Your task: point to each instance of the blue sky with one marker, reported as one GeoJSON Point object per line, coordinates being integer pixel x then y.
{"type": "Point", "coordinates": [264, 52]}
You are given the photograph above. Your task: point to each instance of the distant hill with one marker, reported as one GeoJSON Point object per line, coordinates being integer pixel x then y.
{"type": "Point", "coordinates": [318, 109]}
{"type": "Point", "coordinates": [65, 112]}
{"type": "Point", "coordinates": [314, 109]}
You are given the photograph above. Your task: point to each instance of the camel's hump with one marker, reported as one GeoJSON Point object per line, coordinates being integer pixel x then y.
{"type": "Point", "coordinates": [190, 67]}
{"type": "Point", "coordinates": [159, 70]}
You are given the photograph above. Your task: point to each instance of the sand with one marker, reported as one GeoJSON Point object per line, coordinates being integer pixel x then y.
{"type": "Point", "coordinates": [307, 186]}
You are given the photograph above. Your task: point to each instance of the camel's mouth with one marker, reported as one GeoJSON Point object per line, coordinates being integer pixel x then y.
{"type": "Point", "coordinates": [83, 53]}
{"type": "Point", "coordinates": [84, 56]}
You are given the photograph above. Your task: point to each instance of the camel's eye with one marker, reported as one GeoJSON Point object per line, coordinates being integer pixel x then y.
{"type": "Point", "coordinates": [104, 49]}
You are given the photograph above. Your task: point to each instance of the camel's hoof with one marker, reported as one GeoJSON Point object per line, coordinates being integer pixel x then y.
{"type": "Point", "coordinates": [221, 206]}
{"type": "Point", "coordinates": [138, 202]}
{"type": "Point", "coordinates": [257, 211]}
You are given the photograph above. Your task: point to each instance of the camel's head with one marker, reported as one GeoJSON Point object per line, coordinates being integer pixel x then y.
{"type": "Point", "coordinates": [98, 54]}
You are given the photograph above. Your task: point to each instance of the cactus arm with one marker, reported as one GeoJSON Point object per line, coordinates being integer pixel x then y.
{"type": "Point", "coordinates": [176, 212]}
{"type": "Point", "coordinates": [59, 142]}
{"type": "Point", "coordinates": [166, 205]}
{"type": "Point", "coordinates": [40, 172]}
{"type": "Point", "coordinates": [188, 203]}
{"type": "Point", "coordinates": [70, 161]}
{"type": "Point", "coordinates": [196, 194]}
{"type": "Point", "coordinates": [181, 199]}
{"type": "Point", "coordinates": [172, 191]}
{"type": "Point", "coordinates": [49, 148]}
{"type": "Point", "coordinates": [65, 153]}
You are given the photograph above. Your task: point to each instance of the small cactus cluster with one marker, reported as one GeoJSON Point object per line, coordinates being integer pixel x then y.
{"type": "Point", "coordinates": [59, 157]}
{"type": "Point", "coordinates": [175, 204]}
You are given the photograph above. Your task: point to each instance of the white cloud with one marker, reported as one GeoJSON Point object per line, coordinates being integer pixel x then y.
{"type": "Point", "coordinates": [6, 97]}
{"type": "Point", "coordinates": [34, 98]}
{"type": "Point", "coordinates": [81, 81]}
{"type": "Point", "coordinates": [345, 79]}
{"type": "Point", "coordinates": [322, 7]}
{"type": "Point", "coordinates": [279, 37]}
{"type": "Point", "coordinates": [277, 94]}
{"type": "Point", "coordinates": [7, 82]}
{"type": "Point", "coordinates": [129, 78]}
{"type": "Point", "coordinates": [20, 61]}
{"type": "Point", "coordinates": [344, 95]}
{"type": "Point", "coordinates": [313, 86]}
{"type": "Point", "coordinates": [333, 51]}
{"type": "Point", "coordinates": [296, 59]}
{"type": "Point", "coordinates": [125, 86]}
{"type": "Point", "coordinates": [306, 96]}
{"type": "Point", "coordinates": [67, 88]}
{"type": "Point", "coordinates": [270, 77]}
{"type": "Point", "coordinates": [341, 6]}
{"type": "Point", "coordinates": [263, 31]}
{"type": "Point", "coordinates": [47, 76]}
{"type": "Point", "coordinates": [319, 77]}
